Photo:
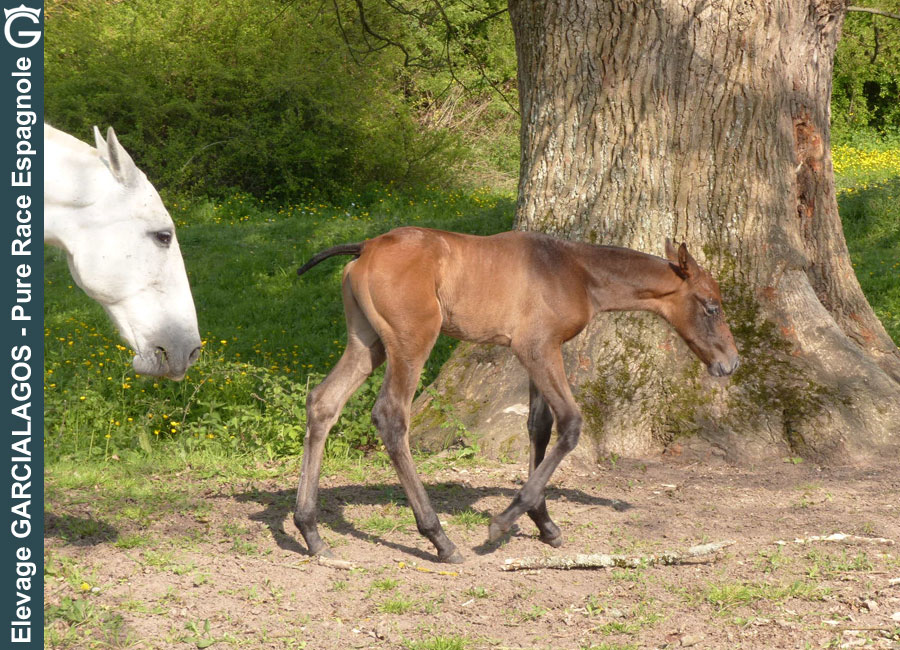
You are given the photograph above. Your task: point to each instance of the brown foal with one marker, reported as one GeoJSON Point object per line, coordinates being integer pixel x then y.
{"type": "Point", "coordinates": [524, 290]}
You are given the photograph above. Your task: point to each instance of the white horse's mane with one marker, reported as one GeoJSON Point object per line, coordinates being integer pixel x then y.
{"type": "Point", "coordinates": [63, 139]}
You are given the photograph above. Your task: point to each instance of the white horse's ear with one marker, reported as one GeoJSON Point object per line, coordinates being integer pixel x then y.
{"type": "Point", "coordinates": [100, 144]}
{"type": "Point", "coordinates": [120, 163]}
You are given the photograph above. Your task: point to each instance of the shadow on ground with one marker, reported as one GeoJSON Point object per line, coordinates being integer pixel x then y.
{"type": "Point", "coordinates": [78, 531]}
{"type": "Point", "coordinates": [447, 498]}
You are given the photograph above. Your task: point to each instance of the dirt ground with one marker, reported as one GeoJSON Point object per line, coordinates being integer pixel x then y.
{"type": "Point", "coordinates": [223, 566]}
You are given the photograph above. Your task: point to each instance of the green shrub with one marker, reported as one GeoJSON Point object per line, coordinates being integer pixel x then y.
{"type": "Point", "coordinates": [244, 94]}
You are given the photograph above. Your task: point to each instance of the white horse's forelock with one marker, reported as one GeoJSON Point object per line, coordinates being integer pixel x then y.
{"type": "Point", "coordinates": [121, 247]}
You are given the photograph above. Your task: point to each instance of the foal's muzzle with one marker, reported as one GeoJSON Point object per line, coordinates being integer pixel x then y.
{"type": "Point", "coordinates": [719, 369]}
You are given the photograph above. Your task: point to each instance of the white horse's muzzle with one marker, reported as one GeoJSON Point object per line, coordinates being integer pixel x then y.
{"type": "Point", "coordinates": [171, 361]}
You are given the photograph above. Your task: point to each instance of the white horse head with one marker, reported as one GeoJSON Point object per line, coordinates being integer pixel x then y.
{"type": "Point", "coordinates": [121, 247]}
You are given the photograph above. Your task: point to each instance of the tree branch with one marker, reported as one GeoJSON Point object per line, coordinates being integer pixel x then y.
{"type": "Point", "coordinates": [875, 33]}
{"type": "Point", "coordinates": [385, 40]}
{"type": "Point", "coordinates": [376, 40]}
{"type": "Point", "coordinates": [877, 12]}
{"type": "Point", "coordinates": [604, 561]}
{"type": "Point", "coordinates": [350, 49]}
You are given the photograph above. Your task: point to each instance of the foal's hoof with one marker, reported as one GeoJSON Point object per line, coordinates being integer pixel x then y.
{"type": "Point", "coordinates": [496, 532]}
{"type": "Point", "coordinates": [454, 558]}
{"type": "Point", "coordinates": [555, 541]}
{"type": "Point", "coordinates": [324, 551]}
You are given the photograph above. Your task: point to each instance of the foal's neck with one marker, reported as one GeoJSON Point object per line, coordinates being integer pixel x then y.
{"type": "Point", "coordinates": [621, 279]}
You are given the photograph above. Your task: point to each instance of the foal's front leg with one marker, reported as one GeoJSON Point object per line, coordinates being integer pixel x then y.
{"type": "Point", "coordinates": [540, 424]}
{"type": "Point", "coordinates": [545, 367]}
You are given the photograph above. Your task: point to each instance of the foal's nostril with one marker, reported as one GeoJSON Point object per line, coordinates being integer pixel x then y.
{"type": "Point", "coordinates": [719, 369]}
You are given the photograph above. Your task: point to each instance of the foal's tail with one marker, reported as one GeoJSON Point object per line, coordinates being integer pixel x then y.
{"type": "Point", "coordinates": [343, 249]}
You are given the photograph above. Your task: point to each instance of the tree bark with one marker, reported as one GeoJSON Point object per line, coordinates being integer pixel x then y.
{"type": "Point", "coordinates": [708, 122]}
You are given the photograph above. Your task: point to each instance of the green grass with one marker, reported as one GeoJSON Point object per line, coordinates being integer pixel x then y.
{"type": "Point", "coordinates": [388, 519]}
{"type": "Point", "coordinates": [726, 596]}
{"type": "Point", "coordinates": [868, 192]}
{"type": "Point", "coordinates": [470, 519]}
{"type": "Point", "coordinates": [136, 540]}
{"type": "Point", "coordinates": [396, 605]}
{"type": "Point", "coordinates": [386, 584]}
{"type": "Point", "coordinates": [268, 335]}
{"type": "Point", "coordinates": [823, 564]}
{"type": "Point", "coordinates": [440, 642]}
{"type": "Point", "coordinates": [871, 218]}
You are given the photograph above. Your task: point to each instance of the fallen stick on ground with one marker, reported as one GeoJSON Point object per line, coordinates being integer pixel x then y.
{"type": "Point", "coordinates": [403, 565]}
{"type": "Point", "coordinates": [604, 561]}
{"type": "Point", "coordinates": [318, 559]}
{"type": "Point", "coordinates": [839, 537]}
{"type": "Point", "coordinates": [334, 563]}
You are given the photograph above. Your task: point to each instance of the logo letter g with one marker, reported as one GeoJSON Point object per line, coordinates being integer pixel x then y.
{"type": "Point", "coordinates": [21, 12]}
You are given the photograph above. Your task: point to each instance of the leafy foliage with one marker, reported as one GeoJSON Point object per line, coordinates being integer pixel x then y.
{"type": "Point", "coordinates": [268, 98]}
{"type": "Point", "coordinates": [865, 100]}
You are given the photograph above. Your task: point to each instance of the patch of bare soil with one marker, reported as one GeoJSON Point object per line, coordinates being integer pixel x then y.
{"type": "Point", "coordinates": [227, 568]}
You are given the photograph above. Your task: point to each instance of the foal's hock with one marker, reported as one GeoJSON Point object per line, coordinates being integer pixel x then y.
{"type": "Point", "coordinates": [527, 291]}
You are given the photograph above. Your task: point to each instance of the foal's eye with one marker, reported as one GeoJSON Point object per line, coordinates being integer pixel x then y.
{"type": "Point", "coordinates": [163, 237]}
{"type": "Point", "coordinates": [711, 309]}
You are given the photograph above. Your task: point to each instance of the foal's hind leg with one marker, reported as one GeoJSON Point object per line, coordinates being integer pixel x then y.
{"type": "Point", "coordinates": [391, 418]}
{"type": "Point", "coordinates": [409, 328]}
{"type": "Point", "coordinates": [540, 423]}
{"type": "Point", "coordinates": [363, 354]}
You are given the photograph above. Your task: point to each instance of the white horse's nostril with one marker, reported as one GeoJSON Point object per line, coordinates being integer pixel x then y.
{"type": "Point", "coordinates": [195, 354]}
{"type": "Point", "coordinates": [162, 353]}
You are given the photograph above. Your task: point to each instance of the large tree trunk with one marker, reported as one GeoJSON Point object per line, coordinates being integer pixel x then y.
{"type": "Point", "coordinates": [707, 122]}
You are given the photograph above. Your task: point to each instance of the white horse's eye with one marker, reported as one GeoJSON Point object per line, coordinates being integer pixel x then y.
{"type": "Point", "coordinates": [163, 237]}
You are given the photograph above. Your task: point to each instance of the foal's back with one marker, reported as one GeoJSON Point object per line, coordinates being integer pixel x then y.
{"type": "Point", "coordinates": [484, 287]}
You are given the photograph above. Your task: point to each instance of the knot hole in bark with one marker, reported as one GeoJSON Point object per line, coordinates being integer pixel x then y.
{"type": "Point", "coordinates": [810, 152]}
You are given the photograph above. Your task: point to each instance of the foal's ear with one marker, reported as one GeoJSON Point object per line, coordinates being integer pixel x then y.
{"type": "Point", "coordinates": [687, 264]}
{"type": "Point", "coordinates": [671, 253]}
{"type": "Point", "coordinates": [682, 262]}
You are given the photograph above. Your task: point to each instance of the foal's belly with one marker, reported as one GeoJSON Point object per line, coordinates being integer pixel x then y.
{"type": "Point", "coordinates": [462, 334]}
{"type": "Point", "coordinates": [478, 325]}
